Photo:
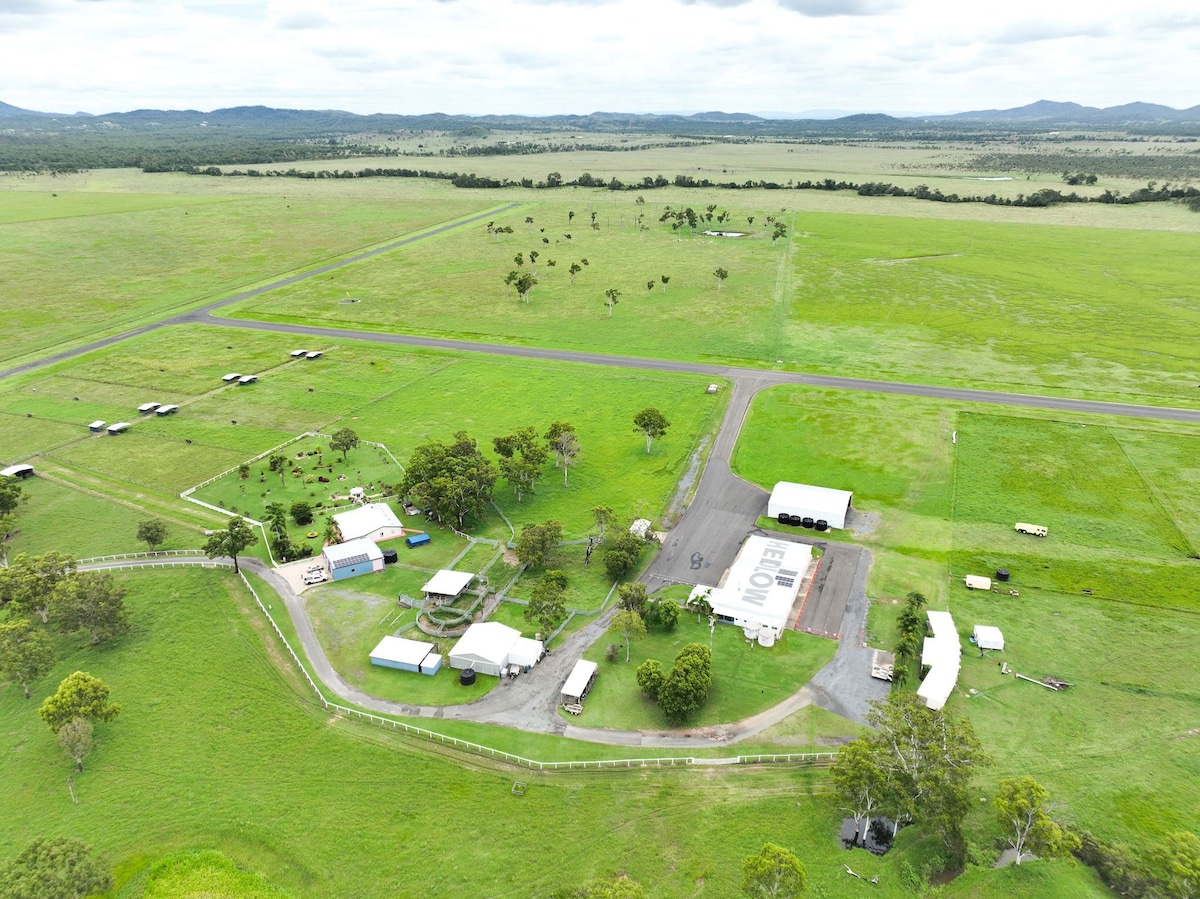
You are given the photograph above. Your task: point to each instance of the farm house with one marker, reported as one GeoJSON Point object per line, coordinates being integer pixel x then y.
{"type": "Point", "coordinates": [374, 521]}
{"type": "Point", "coordinates": [489, 647]}
{"type": "Point", "coordinates": [406, 655]}
{"type": "Point", "coordinates": [943, 654]}
{"type": "Point", "coordinates": [807, 501]}
{"type": "Point", "coordinates": [446, 585]}
{"type": "Point", "coordinates": [353, 558]}
{"type": "Point", "coordinates": [758, 592]}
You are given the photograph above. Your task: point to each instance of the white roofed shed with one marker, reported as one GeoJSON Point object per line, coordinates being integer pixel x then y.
{"type": "Point", "coordinates": [988, 637]}
{"type": "Point", "coordinates": [943, 654]}
{"type": "Point", "coordinates": [398, 652]}
{"type": "Point", "coordinates": [447, 583]}
{"type": "Point", "coordinates": [579, 682]}
{"type": "Point", "coordinates": [375, 521]}
{"type": "Point", "coordinates": [809, 501]}
{"type": "Point", "coordinates": [762, 583]}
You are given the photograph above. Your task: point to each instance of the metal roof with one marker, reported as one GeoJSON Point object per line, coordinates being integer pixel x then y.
{"type": "Point", "coordinates": [448, 583]}
{"type": "Point", "coordinates": [353, 552]}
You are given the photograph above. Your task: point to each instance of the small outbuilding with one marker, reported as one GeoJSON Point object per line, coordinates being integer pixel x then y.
{"type": "Point", "coordinates": [316, 354]}
{"type": "Point", "coordinates": [296, 353]}
{"type": "Point", "coordinates": [97, 426]}
{"type": "Point", "coordinates": [232, 376]}
{"type": "Point", "coordinates": [18, 471]}
{"type": "Point", "coordinates": [988, 637]}
{"type": "Point", "coordinates": [977, 582]}
{"type": "Point", "coordinates": [168, 409]}
{"type": "Point", "coordinates": [415, 540]}
{"type": "Point", "coordinates": [247, 379]}
{"type": "Point", "coordinates": [375, 521]}
{"type": "Point", "coordinates": [579, 683]}
{"type": "Point", "coordinates": [119, 428]}
{"type": "Point", "coordinates": [808, 501]}
{"type": "Point", "coordinates": [447, 585]}
{"type": "Point", "coordinates": [146, 408]}
{"type": "Point", "coordinates": [353, 558]}
{"type": "Point", "coordinates": [401, 654]}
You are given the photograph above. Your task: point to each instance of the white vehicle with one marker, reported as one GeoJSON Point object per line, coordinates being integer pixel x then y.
{"type": "Point", "coordinates": [1037, 530]}
{"type": "Point", "coordinates": [315, 577]}
{"type": "Point", "coordinates": [975, 582]}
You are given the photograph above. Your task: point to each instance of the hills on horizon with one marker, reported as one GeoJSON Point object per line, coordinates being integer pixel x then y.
{"type": "Point", "coordinates": [1043, 112]}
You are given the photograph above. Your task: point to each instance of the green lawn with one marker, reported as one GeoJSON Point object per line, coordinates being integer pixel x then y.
{"type": "Point", "coordinates": [283, 789]}
{"type": "Point", "coordinates": [739, 669]}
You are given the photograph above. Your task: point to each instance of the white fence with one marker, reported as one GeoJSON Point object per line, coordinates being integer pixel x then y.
{"type": "Point", "coordinates": [161, 554]}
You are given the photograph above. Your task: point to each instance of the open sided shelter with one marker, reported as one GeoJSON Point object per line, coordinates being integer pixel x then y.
{"type": "Point", "coordinates": [353, 558]}
{"type": "Point", "coordinates": [489, 647]}
{"type": "Point", "coordinates": [374, 521]}
{"type": "Point", "coordinates": [808, 501]}
{"type": "Point", "coordinates": [403, 654]}
{"type": "Point", "coordinates": [579, 683]}
{"type": "Point", "coordinates": [23, 470]}
{"type": "Point", "coordinates": [446, 585]}
{"type": "Point", "coordinates": [761, 586]}
{"type": "Point", "coordinates": [943, 654]}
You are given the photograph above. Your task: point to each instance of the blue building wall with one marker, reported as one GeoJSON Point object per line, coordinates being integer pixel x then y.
{"type": "Point", "coordinates": [387, 663]}
{"type": "Point", "coordinates": [363, 567]}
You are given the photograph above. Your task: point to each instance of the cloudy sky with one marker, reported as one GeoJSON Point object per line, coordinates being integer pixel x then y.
{"type": "Point", "coordinates": [541, 57]}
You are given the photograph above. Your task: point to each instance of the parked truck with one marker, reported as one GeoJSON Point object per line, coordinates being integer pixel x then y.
{"type": "Point", "coordinates": [1037, 530]}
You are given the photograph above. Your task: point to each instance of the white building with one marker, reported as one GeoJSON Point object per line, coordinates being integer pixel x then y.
{"type": "Point", "coordinates": [447, 585]}
{"type": "Point", "coordinates": [988, 637]}
{"type": "Point", "coordinates": [808, 501]}
{"type": "Point", "coordinates": [943, 654]}
{"type": "Point", "coordinates": [761, 586]}
{"type": "Point", "coordinates": [374, 521]}
{"type": "Point", "coordinates": [489, 647]}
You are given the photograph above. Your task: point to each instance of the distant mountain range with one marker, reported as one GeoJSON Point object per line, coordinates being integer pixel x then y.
{"type": "Point", "coordinates": [1043, 113]}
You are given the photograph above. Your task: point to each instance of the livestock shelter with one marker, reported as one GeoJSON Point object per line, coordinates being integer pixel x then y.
{"type": "Point", "coordinates": [579, 682]}
{"type": "Point", "coordinates": [97, 426]}
{"type": "Point", "coordinates": [119, 428]}
{"type": "Point", "coordinates": [943, 654]}
{"type": "Point", "coordinates": [988, 637]}
{"type": "Point", "coordinates": [18, 471]}
{"type": "Point", "coordinates": [406, 655]}
{"type": "Point", "coordinates": [758, 592]}
{"type": "Point", "coordinates": [373, 521]}
{"type": "Point", "coordinates": [446, 585]}
{"type": "Point", "coordinates": [489, 647]}
{"type": "Point", "coordinates": [809, 501]}
{"type": "Point", "coordinates": [353, 558]}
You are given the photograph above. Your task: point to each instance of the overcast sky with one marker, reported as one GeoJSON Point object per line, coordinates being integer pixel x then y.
{"type": "Point", "coordinates": [541, 57]}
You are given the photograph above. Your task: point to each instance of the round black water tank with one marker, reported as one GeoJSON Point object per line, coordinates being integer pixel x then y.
{"type": "Point", "coordinates": [466, 677]}
{"type": "Point", "coordinates": [1002, 574]}
{"type": "Point", "coordinates": [794, 520]}
{"type": "Point", "coordinates": [821, 524]}
{"type": "Point", "coordinates": [390, 556]}
{"type": "Point", "coordinates": [806, 522]}
{"type": "Point", "coordinates": [784, 518]}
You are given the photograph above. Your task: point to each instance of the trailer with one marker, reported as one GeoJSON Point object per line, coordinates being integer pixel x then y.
{"type": "Point", "coordinates": [1035, 530]}
{"type": "Point", "coordinates": [416, 540]}
{"type": "Point", "coordinates": [975, 582]}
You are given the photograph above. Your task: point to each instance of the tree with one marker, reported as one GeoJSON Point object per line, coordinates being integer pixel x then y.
{"type": "Point", "coordinates": [278, 462]}
{"type": "Point", "coordinates": [521, 461]}
{"type": "Point", "coordinates": [90, 601]}
{"type": "Point", "coordinates": [152, 532]}
{"type": "Point", "coordinates": [29, 582]}
{"type": "Point", "coordinates": [633, 597]}
{"type": "Point", "coordinates": [78, 696]}
{"type": "Point", "coordinates": [1023, 811]}
{"type": "Point", "coordinates": [721, 275]}
{"type": "Point", "coordinates": [331, 531]}
{"type": "Point", "coordinates": [1179, 860]}
{"type": "Point", "coordinates": [652, 424]}
{"type": "Point", "coordinates": [243, 472]}
{"type": "Point", "coordinates": [231, 540]}
{"type": "Point", "coordinates": [604, 516]}
{"type": "Point", "coordinates": [525, 284]}
{"type": "Point", "coordinates": [302, 512]}
{"type": "Point", "coordinates": [343, 441]}
{"type": "Point", "coordinates": [276, 517]}
{"type": "Point", "coordinates": [538, 543]}
{"type": "Point", "coordinates": [26, 653]}
{"type": "Point", "coordinates": [628, 624]}
{"type": "Point", "coordinates": [528, 222]}
{"type": "Point", "coordinates": [547, 604]}
{"type": "Point", "coordinates": [58, 868]}
{"type": "Point", "coordinates": [611, 299]}
{"type": "Point", "coordinates": [450, 482]}
{"type": "Point", "coordinates": [510, 279]}
{"type": "Point", "coordinates": [554, 179]}
{"type": "Point", "coordinates": [773, 872]}
{"type": "Point", "coordinates": [650, 677]}
{"type": "Point", "coordinates": [617, 885]}
{"type": "Point", "coordinates": [858, 777]}
{"type": "Point", "coordinates": [702, 604]}
{"type": "Point", "coordinates": [8, 533]}
{"type": "Point", "coordinates": [780, 231]}
{"type": "Point", "coordinates": [533, 258]}
{"type": "Point", "coordinates": [574, 270]}
{"type": "Point", "coordinates": [686, 686]}
{"type": "Point", "coordinates": [10, 495]}
{"type": "Point", "coordinates": [625, 551]}
{"type": "Point", "coordinates": [75, 739]}
{"type": "Point", "coordinates": [649, 286]}
{"type": "Point", "coordinates": [666, 614]}
{"type": "Point", "coordinates": [665, 280]}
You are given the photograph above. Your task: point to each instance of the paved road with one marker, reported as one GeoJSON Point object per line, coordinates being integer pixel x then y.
{"type": "Point", "coordinates": [204, 311]}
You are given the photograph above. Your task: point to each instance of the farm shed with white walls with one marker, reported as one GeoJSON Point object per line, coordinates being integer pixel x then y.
{"type": "Point", "coordinates": [353, 558]}
{"type": "Point", "coordinates": [374, 521]}
{"type": "Point", "coordinates": [943, 654]}
{"type": "Point", "coordinates": [489, 647]}
{"type": "Point", "coordinates": [401, 653]}
{"type": "Point", "coordinates": [809, 501]}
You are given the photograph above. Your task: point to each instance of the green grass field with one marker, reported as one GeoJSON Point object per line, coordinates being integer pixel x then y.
{"type": "Point", "coordinates": [293, 796]}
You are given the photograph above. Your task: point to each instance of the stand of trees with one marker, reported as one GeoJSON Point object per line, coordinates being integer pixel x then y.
{"type": "Point", "coordinates": [452, 482]}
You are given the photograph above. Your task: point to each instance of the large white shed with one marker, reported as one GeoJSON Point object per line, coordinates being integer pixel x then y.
{"type": "Point", "coordinates": [489, 647]}
{"type": "Point", "coordinates": [400, 653]}
{"type": "Point", "coordinates": [809, 501]}
{"type": "Point", "coordinates": [943, 654]}
{"type": "Point", "coordinates": [761, 586]}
